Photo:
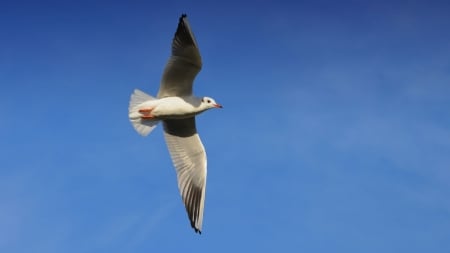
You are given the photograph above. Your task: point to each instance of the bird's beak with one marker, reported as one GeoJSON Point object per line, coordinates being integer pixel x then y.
{"type": "Point", "coordinates": [218, 106]}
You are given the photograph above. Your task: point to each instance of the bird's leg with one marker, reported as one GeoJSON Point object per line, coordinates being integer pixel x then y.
{"type": "Point", "coordinates": [146, 113]}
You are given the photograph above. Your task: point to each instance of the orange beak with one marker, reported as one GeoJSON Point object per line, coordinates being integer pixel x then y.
{"type": "Point", "coordinates": [218, 106]}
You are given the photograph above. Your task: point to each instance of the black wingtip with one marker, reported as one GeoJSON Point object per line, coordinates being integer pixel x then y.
{"type": "Point", "coordinates": [183, 16]}
{"type": "Point", "coordinates": [195, 229]}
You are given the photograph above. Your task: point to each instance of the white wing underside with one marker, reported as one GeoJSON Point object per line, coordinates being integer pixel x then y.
{"type": "Point", "coordinates": [189, 158]}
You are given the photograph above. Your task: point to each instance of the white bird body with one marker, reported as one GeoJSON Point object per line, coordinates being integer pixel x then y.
{"type": "Point", "coordinates": [176, 107]}
{"type": "Point", "coordinates": [172, 107]}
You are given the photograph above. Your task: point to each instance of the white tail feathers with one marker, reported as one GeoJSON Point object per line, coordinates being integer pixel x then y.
{"type": "Point", "coordinates": [143, 127]}
{"type": "Point", "coordinates": [137, 98]}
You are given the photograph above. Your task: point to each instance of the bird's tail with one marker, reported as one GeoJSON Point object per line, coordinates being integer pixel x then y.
{"type": "Point", "coordinates": [142, 126]}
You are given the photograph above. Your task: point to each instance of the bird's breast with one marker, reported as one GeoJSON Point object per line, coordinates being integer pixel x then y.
{"type": "Point", "coordinates": [175, 108]}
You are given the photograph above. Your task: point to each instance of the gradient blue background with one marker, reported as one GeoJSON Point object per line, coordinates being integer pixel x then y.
{"type": "Point", "coordinates": [334, 137]}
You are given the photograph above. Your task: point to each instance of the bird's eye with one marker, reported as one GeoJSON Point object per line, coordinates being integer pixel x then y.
{"type": "Point", "coordinates": [209, 101]}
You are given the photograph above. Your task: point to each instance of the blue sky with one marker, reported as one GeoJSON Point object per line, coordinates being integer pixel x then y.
{"type": "Point", "coordinates": [334, 137]}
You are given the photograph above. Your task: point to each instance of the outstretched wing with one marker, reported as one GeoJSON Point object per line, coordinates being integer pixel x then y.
{"type": "Point", "coordinates": [183, 65]}
{"type": "Point", "coordinates": [189, 158]}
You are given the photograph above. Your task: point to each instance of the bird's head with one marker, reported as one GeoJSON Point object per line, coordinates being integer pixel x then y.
{"type": "Point", "coordinates": [208, 103]}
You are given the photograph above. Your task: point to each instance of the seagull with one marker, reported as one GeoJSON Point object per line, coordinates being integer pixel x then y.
{"type": "Point", "coordinates": [176, 107]}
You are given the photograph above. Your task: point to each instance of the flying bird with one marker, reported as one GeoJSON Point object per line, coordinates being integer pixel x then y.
{"type": "Point", "coordinates": [176, 107]}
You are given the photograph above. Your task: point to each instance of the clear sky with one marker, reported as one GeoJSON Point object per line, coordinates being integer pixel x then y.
{"type": "Point", "coordinates": [334, 137]}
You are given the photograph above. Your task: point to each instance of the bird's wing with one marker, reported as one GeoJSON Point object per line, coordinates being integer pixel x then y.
{"type": "Point", "coordinates": [189, 158]}
{"type": "Point", "coordinates": [183, 65]}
